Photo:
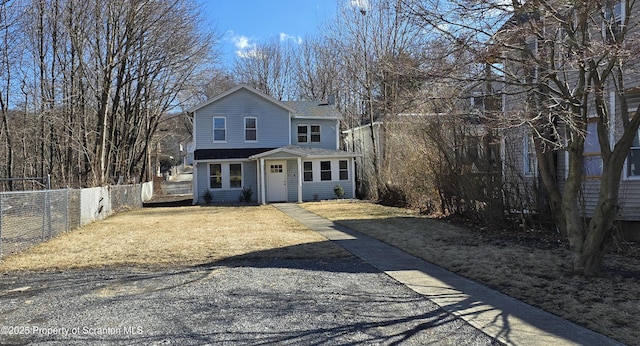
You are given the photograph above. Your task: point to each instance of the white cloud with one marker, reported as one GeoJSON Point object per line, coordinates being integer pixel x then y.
{"type": "Point", "coordinates": [362, 5]}
{"type": "Point", "coordinates": [285, 37]}
{"type": "Point", "coordinates": [245, 47]}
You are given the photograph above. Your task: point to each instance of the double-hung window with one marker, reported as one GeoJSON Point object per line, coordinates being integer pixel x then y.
{"type": "Point", "coordinates": [215, 176]}
{"type": "Point", "coordinates": [225, 176]}
{"type": "Point", "coordinates": [303, 133]}
{"type": "Point", "coordinates": [219, 129]}
{"type": "Point", "coordinates": [250, 129]}
{"type": "Point", "coordinates": [308, 170]}
{"type": "Point", "coordinates": [315, 133]}
{"type": "Point", "coordinates": [325, 170]}
{"type": "Point", "coordinates": [343, 166]}
{"type": "Point", "coordinates": [309, 134]}
{"type": "Point", "coordinates": [235, 175]}
{"type": "Point", "coordinates": [633, 160]}
{"type": "Point", "coordinates": [592, 157]}
{"type": "Point", "coordinates": [613, 23]}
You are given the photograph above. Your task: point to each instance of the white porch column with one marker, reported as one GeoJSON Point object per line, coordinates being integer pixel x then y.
{"type": "Point", "coordinates": [263, 198]}
{"type": "Point", "coordinates": [353, 177]}
{"type": "Point", "coordinates": [299, 180]}
{"type": "Point", "coordinates": [258, 180]}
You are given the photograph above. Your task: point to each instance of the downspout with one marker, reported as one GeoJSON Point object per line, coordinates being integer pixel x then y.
{"type": "Point", "coordinates": [353, 177]}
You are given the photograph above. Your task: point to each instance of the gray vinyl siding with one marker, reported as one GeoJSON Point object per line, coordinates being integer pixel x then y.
{"type": "Point", "coordinates": [292, 181]}
{"type": "Point", "coordinates": [328, 132]}
{"type": "Point", "coordinates": [249, 175]}
{"type": "Point", "coordinates": [272, 122]}
{"type": "Point", "coordinates": [316, 190]}
{"type": "Point", "coordinates": [629, 193]}
{"type": "Point", "coordinates": [629, 200]}
{"type": "Point", "coordinates": [324, 190]}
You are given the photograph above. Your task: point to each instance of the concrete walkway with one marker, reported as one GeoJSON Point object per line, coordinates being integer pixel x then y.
{"type": "Point", "coordinates": [500, 316]}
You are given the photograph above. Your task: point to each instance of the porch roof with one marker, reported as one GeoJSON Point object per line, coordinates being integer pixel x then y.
{"type": "Point", "coordinates": [295, 151]}
{"type": "Point", "coordinates": [226, 154]}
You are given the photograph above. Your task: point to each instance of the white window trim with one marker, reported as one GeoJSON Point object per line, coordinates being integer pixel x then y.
{"type": "Point", "coordinates": [309, 133]}
{"type": "Point", "coordinates": [313, 175]}
{"type": "Point", "coordinates": [335, 170]}
{"type": "Point", "coordinates": [623, 14]}
{"type": "Point", "coordinates": [340, 170]}
{"type": "Point", "coordinates": [209, 176]}
{"type": "Point", "coordinates": [298, 133]}
{"type": "Point", "coordinates": [213, 127]}
{"type": "Point", "coordinates": [245, 129]}
{"type": "Point", "coordinates": [330, 170]}
{"type": "Point", "coordinates": [242, 181]}
{"type": "Point", "coordinates": [225, 170]}
{"type": "Point", "coordinates": [319, 133]}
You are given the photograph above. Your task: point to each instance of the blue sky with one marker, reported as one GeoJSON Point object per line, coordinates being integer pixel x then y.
{"type": "Point", "coordinates": [247, 22]}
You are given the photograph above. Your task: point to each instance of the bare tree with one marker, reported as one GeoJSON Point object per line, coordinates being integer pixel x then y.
{"type": "Point", "coordinates": [8, 60]}
{"type": "Point", "coordinates": [98, 76]}
{"type": "Point", "coordinates": [269, 67]}
{"type": "Point", "coordinates": [316, 70]}
{"type": "Point", "coordinates": [568, 71]}
{"type": "Point", "coordinates": [380, 57]}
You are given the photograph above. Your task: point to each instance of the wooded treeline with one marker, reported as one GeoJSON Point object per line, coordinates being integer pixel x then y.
{"type": "Point", "coordinates": [83, 84]}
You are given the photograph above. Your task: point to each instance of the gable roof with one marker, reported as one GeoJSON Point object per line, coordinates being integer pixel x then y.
{"type": "Point", "coordinates": [314, 110]}
{"type": "Point", "coordinates": [237, 88]}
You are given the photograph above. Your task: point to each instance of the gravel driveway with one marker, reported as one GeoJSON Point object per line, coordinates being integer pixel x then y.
{"type": "Point", "coordinates": [236, 302]}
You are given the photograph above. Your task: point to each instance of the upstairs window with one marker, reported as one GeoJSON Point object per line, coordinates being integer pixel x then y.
{"type": "Point", "coordinates": [613, 23]}
{"type": "Point", "coordinates": [530, 53]}
{"type": "Point", "coordinates": [303, 134]}
{"type": "Point", "coordinates": [309, 134]}
{"type": "Point", "coordinates": [219, 129]}
{"type": "Point", "coordinates": [250, 129]}
{"type": "Point", "coordinates": [315, 133]}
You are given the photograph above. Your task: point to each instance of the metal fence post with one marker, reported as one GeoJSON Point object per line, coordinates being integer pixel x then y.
{"type": "Point", "coordinates": [66, 210]}
{"type": "Point", "coordinates": [44, 216]}
{"type": "Point", "coordinates": [48, 204]}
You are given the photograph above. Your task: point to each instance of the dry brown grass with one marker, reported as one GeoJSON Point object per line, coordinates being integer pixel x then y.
{"type": "Point", "coordinates": [527, 268]}
{"type": "Point", "coordinates": [160, 237]}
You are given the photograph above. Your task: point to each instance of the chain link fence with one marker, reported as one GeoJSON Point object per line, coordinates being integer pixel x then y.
{"type": "Point", "coordinates": [28, 218]}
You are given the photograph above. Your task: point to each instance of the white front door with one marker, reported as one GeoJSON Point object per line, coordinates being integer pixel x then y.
{"type": "Point", "coordinates": [276, 181]}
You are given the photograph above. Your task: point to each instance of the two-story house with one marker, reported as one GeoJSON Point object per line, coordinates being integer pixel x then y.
{"type": "Point", "coordinates": [556, 60]}
{"type": "Point", "coordinates": [282, 151]}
